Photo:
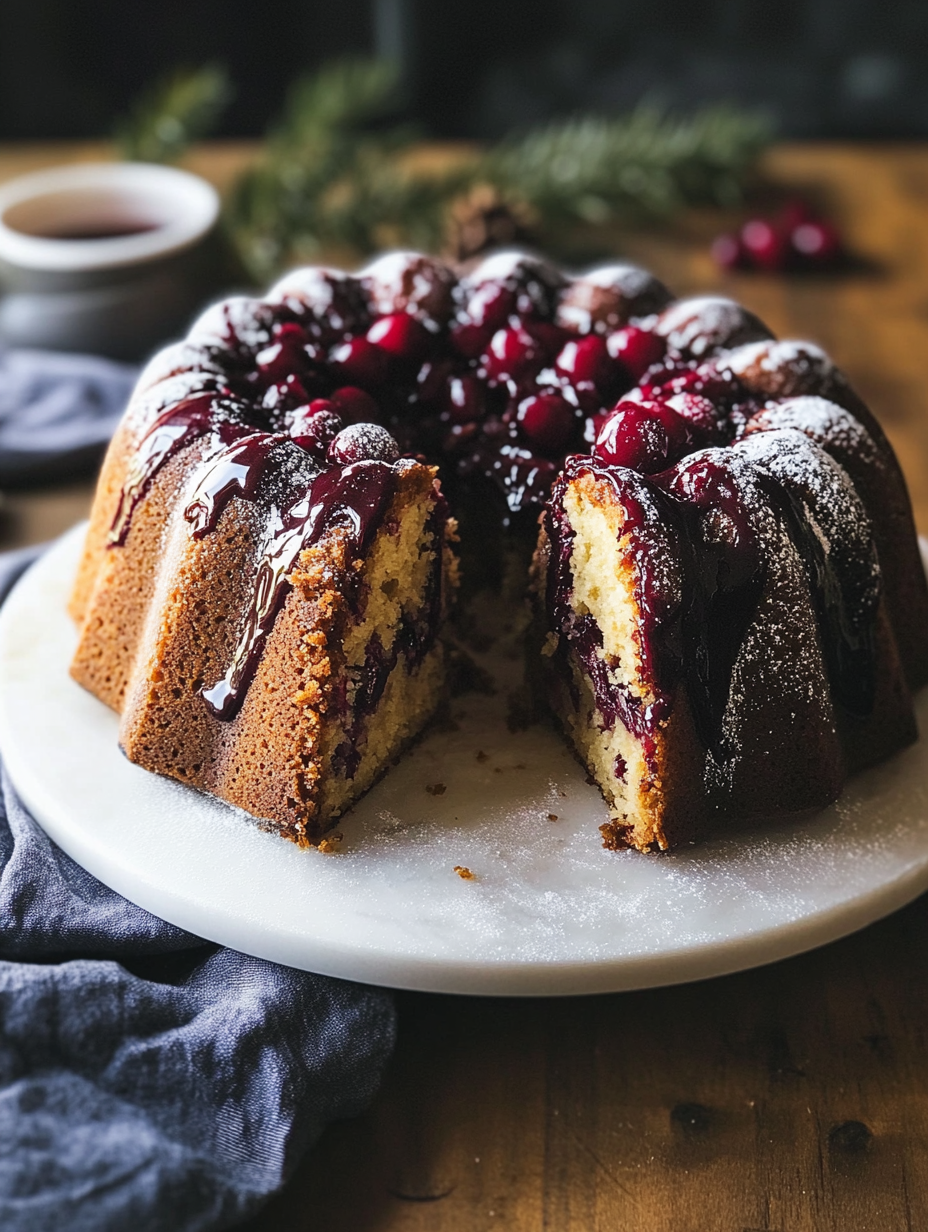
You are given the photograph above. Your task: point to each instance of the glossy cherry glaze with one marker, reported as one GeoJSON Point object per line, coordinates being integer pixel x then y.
{"type": "Point", "coordinates": [480, 376]}
{"type": "Point", "coordinates": [717, 515]}
{"type": "Point", "coordinates": [352, 498]}
{"type": "Point", "coordinates": [178, 426]}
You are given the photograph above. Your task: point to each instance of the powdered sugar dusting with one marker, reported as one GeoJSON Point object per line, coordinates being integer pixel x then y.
{"type": "Point", "coordinates": [704, 324]}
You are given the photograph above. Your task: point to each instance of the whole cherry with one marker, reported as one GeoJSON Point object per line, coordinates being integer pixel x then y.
{"type": "Point", "coordinates": [470, 340]}
{"type": "Point", "coordinates": [285, 355]}
{"type": "Point", "coordinates": [547, 421]}
{"type": "Point", "coordinates": [363, 442]}
{"type": "Point", "coordinates": [512, 354]}
{"type": "Point", "coordinates": [490, 305]}
{"type": "Point", "coordinates": [401, 336]}
{"type": "Point", "coordinates": [354, 405]}
{"type": "Point", "coordinates": [313, 427]}
{"type": "Point", "coordinates": [698, 412]}
{"type": "Point", "coordinates": [587, 359]}
{"type": "Point", "coordinates": [286, 393]}
{"type": "Point", "coordinates": [360, 362]}
{"type": "Point", "coordinates": [635, 349]}
{"type": "Point", "coordinates": [646, 437]}
{"type": "Point", "coordinates": [765, 244]}
{"type": "Point", "coordinates": [464, 399]}
{"type": "Point", "coordinates": [815, 242]}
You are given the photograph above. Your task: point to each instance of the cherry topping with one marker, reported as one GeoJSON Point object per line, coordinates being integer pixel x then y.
{"type": "Point", "coordinates": [490, 306]}
{"type": "Point", "coordinates": [401, 336]}
{"type": "Point", "coordinates": [413, 283]}
{"type": "Point", "coordinates": [635, 349]}
{"type": "Point", "coordinates": [313, 427]}
{"type": "Point", "coordinates": [587, 359]}
{"type": "Point", "coordinates": [470, 340]}
{"type": "Point", "coordinates": [284, 394]}
{"type": "Point", "coordinates": [646, 437]}
{"type": "Point", "coordinates": [354, 405]}
{"type": "Point", "coordinates": [363, 442]}
{"type": "Point", "coordinates": [547, 420]}
{"type": "Point", "coordinates": [286, 354]}
{"type": "Point", "coordinates": [431, 382]}
{"type": "Point", "coordinates": [551, 337]}
{"type": "Point", "coordinates": [698, 412]}
{"type": "Point", "coordinates": [512, 354]}
{"type": "Point", "coordinates": [359, 362]}
{"type": "Point", "coordinates": [465, 399]}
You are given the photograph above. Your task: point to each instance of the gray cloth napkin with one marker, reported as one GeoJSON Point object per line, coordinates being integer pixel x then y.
{"type": "Point", "coordinates": [57, 412]}
{"type": "Point", "coordinates": [148, 1080]}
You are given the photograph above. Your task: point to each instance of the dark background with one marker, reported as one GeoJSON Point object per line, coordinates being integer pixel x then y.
{"type": "Point", "coordinates": [824, 68]}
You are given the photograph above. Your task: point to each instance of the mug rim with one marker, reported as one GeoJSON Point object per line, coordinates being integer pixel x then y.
{"type": "Point", "coordinates": [195, 202]}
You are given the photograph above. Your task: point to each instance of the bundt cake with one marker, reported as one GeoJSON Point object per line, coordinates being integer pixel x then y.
{"type": "Point", "coordinates": [729, 610]}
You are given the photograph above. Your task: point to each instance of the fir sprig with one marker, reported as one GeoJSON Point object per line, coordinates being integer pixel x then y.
{"type": "Point", "coordinates": [336, 175]}
{"type": "Point", "coordinates": [650, 163]}
{"type": "Point", "coordinates": [174, 112]}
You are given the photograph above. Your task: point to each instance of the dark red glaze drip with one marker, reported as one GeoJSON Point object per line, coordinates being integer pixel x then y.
{"type": "Point", "coordinates": [353, 498]}
{"type": "Point", "coordinates": [174, 428]}
{"type": "Point", "coordinates": [235, 472]}
{"type": "Point", "coordinates": [697, 634]}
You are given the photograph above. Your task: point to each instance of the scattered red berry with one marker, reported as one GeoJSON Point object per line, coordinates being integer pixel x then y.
{"type": "Point", "coordinates": [728, 252]}
{"type": "Point", "coordinates": [764, 244]}
{"type": "Point", "coordinates": [796, 240]}
{"type": "Point", "coordinates": [817, 242]}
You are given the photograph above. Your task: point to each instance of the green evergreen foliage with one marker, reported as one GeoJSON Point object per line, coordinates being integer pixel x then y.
{"type": "Point", "coordinates": [174, 112]}
{"type": "Point", "coordinates": [335, 174]}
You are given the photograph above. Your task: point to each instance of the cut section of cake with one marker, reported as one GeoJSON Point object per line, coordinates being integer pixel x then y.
{"type": "Point", "coordinates": [715, 634]}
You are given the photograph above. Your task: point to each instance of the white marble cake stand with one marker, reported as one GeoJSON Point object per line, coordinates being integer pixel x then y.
{"type": "Point", "coordinates": [548, 911]}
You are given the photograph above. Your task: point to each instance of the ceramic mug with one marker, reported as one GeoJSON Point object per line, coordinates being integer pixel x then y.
{"type": "Point", "coordinates": [111, 258]}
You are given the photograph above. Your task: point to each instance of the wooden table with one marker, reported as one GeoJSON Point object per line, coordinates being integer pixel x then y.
{"type": "Point", "coordinates": [790, 1099]}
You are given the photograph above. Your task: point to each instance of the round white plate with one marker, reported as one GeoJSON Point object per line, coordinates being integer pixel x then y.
{"type": "Point", "coordinates": [548, 911]}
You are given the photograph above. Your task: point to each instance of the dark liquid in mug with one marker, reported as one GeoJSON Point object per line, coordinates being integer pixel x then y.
{"type": "Point", "coordinates": [101, 231]}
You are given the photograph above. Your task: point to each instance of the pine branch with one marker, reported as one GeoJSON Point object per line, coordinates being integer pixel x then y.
{"type": "Point", "coordinates": [647, 164]}
{"type": "Point", "coordinates": [173, 113]}
{"type": "Point", "coordinates": [335, 174]}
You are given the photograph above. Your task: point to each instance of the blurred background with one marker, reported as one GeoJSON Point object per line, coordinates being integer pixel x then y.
{"type": "Point", "coordinates": [823, 68]}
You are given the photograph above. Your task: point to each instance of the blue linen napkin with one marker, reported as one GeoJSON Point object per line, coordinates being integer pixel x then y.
{"type": "Point", "coordinates": [148, 1080]}
{"type": "Point", "coordinates": [57, 412]}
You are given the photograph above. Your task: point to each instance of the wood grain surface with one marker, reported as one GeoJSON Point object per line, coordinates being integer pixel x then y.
{"type": "Point", "coordinates": [793, 1098]}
